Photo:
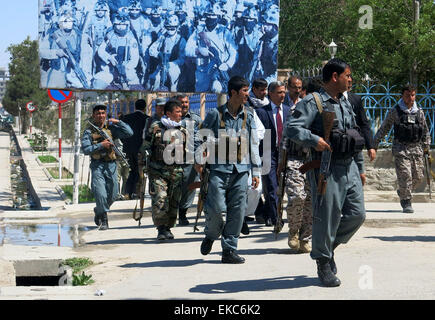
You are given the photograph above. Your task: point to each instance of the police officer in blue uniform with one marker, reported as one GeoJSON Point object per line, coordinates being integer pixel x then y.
{"type": "Point", "coordinates": [342, 212]}
{"type": "Point", "coordinates": [103, 161]}
{"type": "Point", "coordinates": [229, 169]}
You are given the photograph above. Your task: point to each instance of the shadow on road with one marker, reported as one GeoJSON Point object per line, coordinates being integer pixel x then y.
{"type": "Point", "coordinates": [169, 263]}
{"type": "Point", "coordinates": [257, 285]}
{"type": "Point", "coordinates": [386, 211]}
{"type": "Point", "coordinates": [405, 238]}
{"type": "Point", "coordinates": [143, 241]}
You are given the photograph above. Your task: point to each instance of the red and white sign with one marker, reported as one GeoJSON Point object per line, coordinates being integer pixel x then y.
{"type": "Point", "coordinates": [30, 107]}
{"type": "Point", "coordinates": [59, 96]}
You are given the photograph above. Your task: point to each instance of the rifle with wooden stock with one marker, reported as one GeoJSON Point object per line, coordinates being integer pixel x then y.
{"type": "Point", "coordinates": [203, 189]}
{"type": "Point", "coordinates": [324, 163]}
{"type": "Point", "coordinates": [427, 165]}
{"type": "Point", "coordinates": [141, 186]}
{"type": "Point", "coordinates": [282, 175]}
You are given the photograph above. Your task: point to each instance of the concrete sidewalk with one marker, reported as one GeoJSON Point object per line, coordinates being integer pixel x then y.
{"type": "Point", "coordinates": [5, 172]}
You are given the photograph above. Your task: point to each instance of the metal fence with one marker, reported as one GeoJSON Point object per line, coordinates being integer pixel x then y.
{"type": "Point", "coordinates": [378, 99]}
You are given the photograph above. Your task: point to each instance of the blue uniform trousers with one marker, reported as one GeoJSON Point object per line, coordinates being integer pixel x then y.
{"type": "Point", "coordinates": [226, 193]}
{"type": "Point", "coordinates": [104, 185]}
{"type": "Point", "coordinates": [342, 212]}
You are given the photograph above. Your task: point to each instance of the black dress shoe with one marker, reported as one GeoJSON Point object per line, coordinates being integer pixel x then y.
{"type": "Point", "coordinates": [206, 246]}
{"type": "Point", "coordinates": [230, 256]}
{"type": "Point", "coordinates": [260, 220]}
{"type": "Point", "coordinates": [245, 229]}
{"type": "Point", "coordinates": [326, 276]}
{"type": "Point", "coordinates": [268, 222]}
{"type": "Point", "coordinates": [249, 219]}
{"type": "Point", "coordinates": [182, 220]}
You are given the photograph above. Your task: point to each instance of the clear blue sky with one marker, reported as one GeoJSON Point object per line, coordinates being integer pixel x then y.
{"type": "Point", "coordinates": [18, 19]}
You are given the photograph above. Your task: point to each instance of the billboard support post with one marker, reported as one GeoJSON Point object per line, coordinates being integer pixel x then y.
{"type": "Point", "coordinates": [60, 141]}
{"type": "Point", "coordinates": [78, 107]}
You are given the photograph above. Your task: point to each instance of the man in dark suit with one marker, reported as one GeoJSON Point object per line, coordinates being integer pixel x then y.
{"type": "Point", "coordinates": [136, 121]}
{"type": "Point", "coordinates": [273, 117]}
{"type": "Point", "coordinates": [361, 120]}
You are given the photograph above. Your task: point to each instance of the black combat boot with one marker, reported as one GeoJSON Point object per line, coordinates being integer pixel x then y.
{"type": "Point", "coordinates": [161, 233]}
{"type": "Point", "coordinates": [406, 205]}
{"type": "Point", "coordinates": [206, 246]}
{"type": "Point", "coordinates": [104, 222]}
{"type": "Point", "coordinates": [326, 276]}
{"type": "Point", "coordinates": [230, 256]}
{"type": "Point", "coordinates": [168, 233]}
{"type": "Point", "coordinates": [182, 220]}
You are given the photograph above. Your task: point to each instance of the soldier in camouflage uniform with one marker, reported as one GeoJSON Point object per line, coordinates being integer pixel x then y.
{"type": "Point", "coordinates": [411, 140]}
{"type": "Point", "coordinates": [297, 188]}
{"type": "Point", "coordinates": [165, 176]}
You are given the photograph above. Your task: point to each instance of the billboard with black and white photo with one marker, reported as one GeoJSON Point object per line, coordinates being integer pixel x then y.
{"type": "Point", "coordinates": [156, 45]}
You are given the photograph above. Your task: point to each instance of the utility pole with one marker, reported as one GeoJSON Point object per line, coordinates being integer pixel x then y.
{"type": "Point", "coordinates": [78, 109]}
{"type": "Point", "coordinates": [413, 72]}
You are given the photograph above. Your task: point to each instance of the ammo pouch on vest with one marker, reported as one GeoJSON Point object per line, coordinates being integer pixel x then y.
{"type": "Point", "coordinates": [346, 144]}
{"type": "Point", "coordinates": [296, 150]}
{"type": "Point", "coordinates": [102, 154]}
{"type": "Point", "coordinates": [159, 145]}
{"type": "Point", "coordinates": [409, 129]}
{"type": "Point", "coordinates": [236, 148]}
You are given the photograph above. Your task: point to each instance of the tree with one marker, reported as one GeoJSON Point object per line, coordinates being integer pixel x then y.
{"type": "Point", "coordinates": [386, 52]}
{"type": "Point", "coordinates": [24, 76]}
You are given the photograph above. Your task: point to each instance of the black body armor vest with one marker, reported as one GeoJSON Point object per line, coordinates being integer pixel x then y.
{"type": "Point", "coordinates": [409, 129]}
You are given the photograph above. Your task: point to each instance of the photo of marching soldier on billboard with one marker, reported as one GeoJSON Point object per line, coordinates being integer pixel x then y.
{"type": "Point", "coordinates": [156, 45]}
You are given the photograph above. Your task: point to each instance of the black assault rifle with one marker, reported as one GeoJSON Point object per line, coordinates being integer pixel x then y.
{"type": "Point", "coordinates": [105, 136]}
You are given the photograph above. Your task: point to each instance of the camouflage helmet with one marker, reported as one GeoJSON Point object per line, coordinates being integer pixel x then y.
{"type": "Point", "coordinates": [212, 10]}
{"type": "Point", "coordinates": [271, 14]}
{"type": "Point", "coordinates": [135, 5]}
{"type": "Point", "coordinates": [171, 21]}
{"type": "Point", "coordinates": [250, 14]}
{"type": "Point", "coordinates": [156, 11]}
{"type": "Point", "coordinates": [101, 5]}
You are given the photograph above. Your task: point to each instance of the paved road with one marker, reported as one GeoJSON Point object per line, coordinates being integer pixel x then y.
{"type": "Point", "coordinates": [390, 257]}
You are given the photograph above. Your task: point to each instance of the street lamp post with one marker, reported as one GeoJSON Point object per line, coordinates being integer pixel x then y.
{"type": "Point", "coordinates": [332, 49]}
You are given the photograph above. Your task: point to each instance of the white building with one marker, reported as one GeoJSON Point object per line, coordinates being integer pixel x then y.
{"type": "Point", "coordinates": [4, 77]}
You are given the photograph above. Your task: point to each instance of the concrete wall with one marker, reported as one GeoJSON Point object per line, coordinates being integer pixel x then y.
{"type": "Point", "coordinates": [381, 174]}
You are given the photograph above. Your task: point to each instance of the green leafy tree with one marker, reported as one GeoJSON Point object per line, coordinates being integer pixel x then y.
{"type": "Point", "coordinates": [396, 48]}
{"type": "Point", "coordinates": [23, 84]}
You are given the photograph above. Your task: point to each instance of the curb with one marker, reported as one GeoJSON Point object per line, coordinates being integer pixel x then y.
{"type": "Point", "coordinates": [62, 194]}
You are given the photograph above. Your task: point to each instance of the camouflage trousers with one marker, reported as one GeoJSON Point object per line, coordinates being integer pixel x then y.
{"type": "Point", "coordinates": [409, 171]}
{"type": "Point", "coordinates": [122, 171]}
{"type": "Point", "coordinates": [165, 192]}
{"type": "Point", "coordinates": [299, 209]}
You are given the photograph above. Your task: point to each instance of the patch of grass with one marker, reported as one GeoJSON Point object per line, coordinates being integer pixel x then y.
{"type": "Point", "coordinates": [82, 279]}
{"type": "Point", "coordinates": [47, 159]}
{"type": "Point", "coordinates": [78, 265]}
{"type": "Point", "coordinates": [65, 173]}
{"type": "Point", "coordinates": [85, 194]}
